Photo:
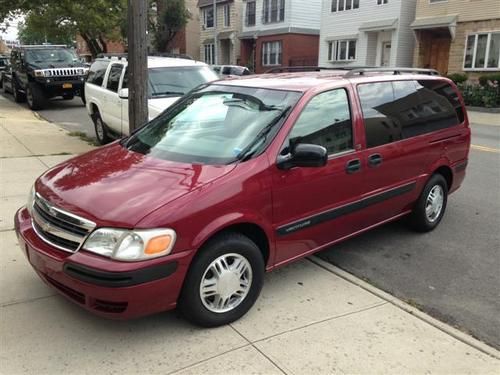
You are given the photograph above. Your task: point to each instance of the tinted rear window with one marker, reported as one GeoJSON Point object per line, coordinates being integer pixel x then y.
{"type": "Point", "coordinates": [97, 72]}
{"type": "Point", "coordinates": [404, 109]}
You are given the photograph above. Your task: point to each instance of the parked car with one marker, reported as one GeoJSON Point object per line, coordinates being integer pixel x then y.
{"type": "Point", "coordinates": [106, 90]}
{"type": "Point", "coordinates": [240, 177]}
{"type": "Point", "coordinates": [4, 67]}
{"type": "Point", "coordinates": [41, 72]}
{"type": "Point", "coordinates": [231, 70]}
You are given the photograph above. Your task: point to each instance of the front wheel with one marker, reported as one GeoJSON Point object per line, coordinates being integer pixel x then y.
{"type": "Point", "coordinates": [430, 207]}
{"type": "Point", "coordinates": [223, 282]}
{"type": "Point", "coordinates": [35, 97]}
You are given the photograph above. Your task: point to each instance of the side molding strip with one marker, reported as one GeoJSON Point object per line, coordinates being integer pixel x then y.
{"type": "Point", "coordinates": [344, 210]}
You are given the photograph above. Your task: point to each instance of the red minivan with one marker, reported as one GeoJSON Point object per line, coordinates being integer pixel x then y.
{"type": "Point", "coordinates": [238, 178]}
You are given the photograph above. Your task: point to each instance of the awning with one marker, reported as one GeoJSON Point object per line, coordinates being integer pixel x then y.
{"type": "Point", "coordinates": [208, 41]}
{"type": "Point", "coordinates": [387, 24]}
{"type": "Point", "coordinates": [428, 23]}
{"type": "Point", "coordinates": [248, 35]}
{"type": "Point", "coordinates": [225, 35]}
{"type": "Point", "coordinates": [342, 37]}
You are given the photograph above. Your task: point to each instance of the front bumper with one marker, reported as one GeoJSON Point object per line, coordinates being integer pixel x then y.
{"type": "Point", "coordinates": [105, 287]}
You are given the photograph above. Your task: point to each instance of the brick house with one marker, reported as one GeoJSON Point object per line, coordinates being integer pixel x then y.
{"type": "Point", "coordinates": [111, 46]}
{"type": "Point", "coordinates": [219, 31]}
{"type": "Point", "coordinates": [187, 40]}
{"type": "Point", "coordinates": [458, 36]}
{"type": "Point", "coordinates": [280, 33]}
{"type": "Point", "coordinates": [367, 33]}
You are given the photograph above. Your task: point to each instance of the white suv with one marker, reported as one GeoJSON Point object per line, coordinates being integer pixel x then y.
{"type": "Point", "coordinates": [106, 91]}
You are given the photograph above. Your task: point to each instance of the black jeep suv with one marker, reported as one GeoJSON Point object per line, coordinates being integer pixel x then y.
{"type": "Point", "coordinates": [43, 72]}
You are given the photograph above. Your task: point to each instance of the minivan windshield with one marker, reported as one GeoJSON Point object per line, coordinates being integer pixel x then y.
{"type": "Point", "coordinates": [217, 124]}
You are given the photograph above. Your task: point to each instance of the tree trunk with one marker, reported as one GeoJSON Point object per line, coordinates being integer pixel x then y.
{"type": "Point", "coordinates": [92, 44]}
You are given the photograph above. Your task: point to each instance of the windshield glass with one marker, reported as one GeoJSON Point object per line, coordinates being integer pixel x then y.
{"type": "Point", "coordinates": [57, 55]}
{"type": "Point", "coordinates": [177, 81]}
{"type": "Point", "coordinates": [215, 125]}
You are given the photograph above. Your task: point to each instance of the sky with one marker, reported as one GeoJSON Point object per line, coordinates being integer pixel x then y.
{"type": "Point", "coordinates": [11, 33]}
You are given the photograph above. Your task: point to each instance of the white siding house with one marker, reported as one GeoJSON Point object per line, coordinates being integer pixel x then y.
{"type": "Point", "coordinates": [367, 33]}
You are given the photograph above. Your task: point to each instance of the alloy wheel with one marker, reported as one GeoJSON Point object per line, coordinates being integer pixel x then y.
{"type": "Point", "coordinates": [434, 203]}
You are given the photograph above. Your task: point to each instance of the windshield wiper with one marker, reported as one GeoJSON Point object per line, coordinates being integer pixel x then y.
{"type": "Point", "coordinates": [250, 150]}
{"type": "Point", "coordinates": [168, 93]}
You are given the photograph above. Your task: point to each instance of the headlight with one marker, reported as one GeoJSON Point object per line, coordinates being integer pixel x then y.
{"type": "Point", "coordinates": [39, 73]}
{"type": "Point", "coordinates": [131, 245]}
{"type": "Point", "coordinates": [31, 200]}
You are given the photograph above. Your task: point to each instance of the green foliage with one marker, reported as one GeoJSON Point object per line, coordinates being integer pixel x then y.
{"type": "Point", "coordinates": [38, 29]}
{"type": "Point", "coordinates": [458, 77]}
{"type": "Point", "coordinates": [172, 17]}
{"type": "Point", "coordinates": [492, 77]}
{"type": "Point", "coordinates": [481, 96]}
{"type": "Point", "coordinates": [94, 20]}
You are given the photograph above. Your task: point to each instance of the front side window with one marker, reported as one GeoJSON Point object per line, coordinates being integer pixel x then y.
{"type": "Point", "coordinates": [341, 5]}
{"type": "Point", "coordinates": [114, 77]}
{"type": "Point", "coordinates": [482, 51]}
{"type": "Point", "coordinates": [209, 53]}
{"type": "Point", "coordinates": [215, 125]}
{"type": "Point", "coordinates": [273, 11]}
{"type": "Point", "coordinates": [342, 50]}
{"type": "Point", "coordinates": [325, 121]}
{"type": "Point", "coordinates": [251, 13]}
{"type": "Point", "coordinates": [272, 53]}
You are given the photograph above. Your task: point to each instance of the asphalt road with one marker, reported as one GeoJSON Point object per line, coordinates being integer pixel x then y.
{"type": "Point", "coordinates": [452, 273]}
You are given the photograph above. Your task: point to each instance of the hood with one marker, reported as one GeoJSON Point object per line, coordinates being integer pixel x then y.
{"type": "Point", "coordinates": [115, 187]}
{"type": "Point", "coordinates": [158, 105]}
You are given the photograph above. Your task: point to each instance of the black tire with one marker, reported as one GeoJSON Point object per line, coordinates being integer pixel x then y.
{"type": "Point", "coordinates": [68, 97]}
{"type": "Point", "coordinates": [19, 97]}
{"type": "Point", "coordinates": [35, 97]}
{"type": "Point", "coordinates": [101, 132]}
{"type": "Point", "coordinates": [420, 220]}
{"type": "Point", "coordinates": [231, 244]}
{"type": "Point", "coordinates": [1, 82]}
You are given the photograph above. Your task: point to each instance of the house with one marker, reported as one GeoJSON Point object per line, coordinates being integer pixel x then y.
{"type": "Point", "coordinates": [219, 31]}
{"type": "Point", "coordinates": [280, 33]}
{"type": "Point", "coordinates": [187, 40]}
{"type": "Point", "coordinates": [458, 36]}
{"type": "Point", "coordinates": [367, 33]}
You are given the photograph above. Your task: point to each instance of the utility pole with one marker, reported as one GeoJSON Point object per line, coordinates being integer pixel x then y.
{"type": "Point", "coordinates": [216, 49]}
{"type": "Point", "coordinates": [137, 63]}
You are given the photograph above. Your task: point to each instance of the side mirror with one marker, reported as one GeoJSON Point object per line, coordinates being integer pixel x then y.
{"type": "Point", "coordinates": [123, 94]}
{"type": "Point", "coordinates": [304, 155]}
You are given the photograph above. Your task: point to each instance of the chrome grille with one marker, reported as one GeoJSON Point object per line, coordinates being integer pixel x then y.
{"type": "Point", "coordinates": [66, 72]}
{"type": "Point", "coordinates": [57, 227]}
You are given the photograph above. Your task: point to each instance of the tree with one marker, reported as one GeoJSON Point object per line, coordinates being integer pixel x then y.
{"type": "Point", "coordinates": [96, 20]}
{"type": "Point", "coordinates": [172, 17]}
{"type": "Point", "coordinates": [38, 29]}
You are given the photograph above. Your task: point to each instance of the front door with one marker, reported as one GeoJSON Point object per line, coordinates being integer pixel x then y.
{"type": "Point", "coordinates": [312, 206]}
{"type": "Point", "coordinates": [439, 54]}
{"type": "Point", "coordinates": [386, 54]}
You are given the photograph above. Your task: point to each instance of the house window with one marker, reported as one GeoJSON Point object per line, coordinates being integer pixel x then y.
{"type": "Point", "coordinates": [272, 53]}
{"type": "Point", "coordinates": [382, 2]}
{"type": "Point", "coordinates": [251, 11]}
{"type": "Point", "coordinates": [482, 51]}
{"type": "Point", "coordinates": [208, 17]}
{"type": "Point", "coordinates": [342, 50]}
{"type": "Point", "coordinates": [210, 53]}
{"type": "Point", "coordinates": [437, 1]}
{"type": "Point", "coordinates": [341, 5]}
{"type": "Point", "coordinates": [227, 15]}
{"type": "Point", "coordinates": [273, 11]}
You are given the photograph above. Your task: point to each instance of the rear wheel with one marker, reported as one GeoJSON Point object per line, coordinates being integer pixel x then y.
{"type": "Point", "coordinates": [430, 207]}
{"type": "Point", "coordinates": [35, 96]}
{"type": "Point", "coordinates": [223, 281]}
{"type": "Point", "coordinates": [101, 132]}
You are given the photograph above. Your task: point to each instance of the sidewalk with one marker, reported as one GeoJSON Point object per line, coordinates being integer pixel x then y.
{"type": "Point", "coordinates": [484, 118]}
{"type": "Point", "coordinates": [311, 318]}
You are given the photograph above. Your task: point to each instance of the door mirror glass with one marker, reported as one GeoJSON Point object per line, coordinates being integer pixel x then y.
{"type": "Point", "coordinates": [304, 155]}
{"type": "Point", "coordinates": [123, 94]}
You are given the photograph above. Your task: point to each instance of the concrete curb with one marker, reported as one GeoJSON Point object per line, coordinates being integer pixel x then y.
{"type": "Point", "coordinates": [457, 334]}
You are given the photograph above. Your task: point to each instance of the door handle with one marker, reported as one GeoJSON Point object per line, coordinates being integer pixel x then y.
{"type": "Point", "coordinates": [353, 166]}
{"type": "Point", "coordinates": [375, 160]}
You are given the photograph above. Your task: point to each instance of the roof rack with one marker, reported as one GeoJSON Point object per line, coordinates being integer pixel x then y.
{"type": "Point", "coordinates": [42, 46]}
{"type": "Point", "coordinates": [173, 55]}
{"type": "Point", "coordinates": [291, 69]}
{"type": "Point", "coordinates": [394, 71]}
{"type": "Point", "coordinates": [119, 56]}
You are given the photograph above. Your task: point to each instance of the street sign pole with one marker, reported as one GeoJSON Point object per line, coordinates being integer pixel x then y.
{"type": "Point", "coordinates": [137, 63]}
